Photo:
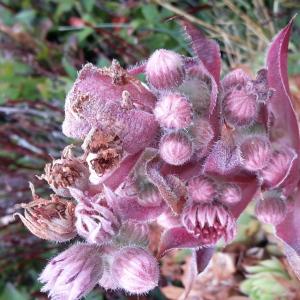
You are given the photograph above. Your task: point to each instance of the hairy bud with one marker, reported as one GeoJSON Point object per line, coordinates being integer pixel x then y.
{"type": "Point", "coordinates": [73, 273]}
{"type": "Point", "coordinates": [271, 210]}
{"type": "Point", "coordinates": [135, 270]}
{"type": "Point", "coordinates": [165, 69]}
{"type": "Point", "coordinates": [96, 222]}
{"type": "Point", "coordinates": [202, 189]}
{"type": "Point", "coordinates": [209, 221]}
{"type": "Point", "coordinates": [240, 108]}
{"type": "Point", "coordinates": [278, 167]}
{"type": "Point", "coordinates": [173, 110]}
{"type": "Point", "coordinates": [176, 148]}
{"type": "Point", "coordinates": [51, 220]}
{"type": "Point", "coordinates": [255, 152]}
{"type": "Point", "coordinates": [230, 194]}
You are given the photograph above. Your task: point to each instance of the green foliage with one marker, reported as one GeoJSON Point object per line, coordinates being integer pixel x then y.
{"type": "Point", "coordinates": [263, 282]}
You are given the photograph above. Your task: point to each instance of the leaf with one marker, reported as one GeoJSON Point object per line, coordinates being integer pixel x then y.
{"type": "Point", "coordinates": [10, 292]}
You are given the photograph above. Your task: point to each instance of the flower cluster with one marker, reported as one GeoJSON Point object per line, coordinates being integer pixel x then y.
{"type": "Point", "coordinates": [187, 151]}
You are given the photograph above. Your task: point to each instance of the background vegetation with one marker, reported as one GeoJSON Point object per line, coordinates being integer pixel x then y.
{"type": "Point", "coordinates": [42, 45]}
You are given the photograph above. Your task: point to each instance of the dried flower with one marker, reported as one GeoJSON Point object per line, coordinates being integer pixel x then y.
{"type": "Point", "coordinates": [66, 172]}
{"type": "Point", "coordinates": [176, 148]}
{"type": "Point", "coordinates": [135, 270]}
{"type": "Point", "coordinates": [52, 220]}
{"type": "Point", "coordinates": [73, 273]}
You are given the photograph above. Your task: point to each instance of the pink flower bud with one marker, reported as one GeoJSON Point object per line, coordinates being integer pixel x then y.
{"type": "Point", "coordinates": [230, 194]}
{"type": "Point", "coordinates": [209, 221]}
{"type": "Point", "coordinates": [234, 78]}
{"type": "Point", "coordinates": [278, 167]}
{"type": "Point", "coordinates": [73, 273]}
{"type": "Point", "coordinates": [240, 108]}
{"type": "Point", "coordinates": [176, 148]}
{"type": "Point", "coordinates": [135, 270]}
{"type": "Point", "coordinates": [52, 220]}
{"type": "Point", "coordinates": [255, 152]}
{"type": "Point", "coordinates": [66, 172]}
{"type": "Point", "coordinates": [165, 69]}
{"type": "Point", "coordinates": [173, 110]}
{"type": "Point", "coordinates": [96, 222]}
{"type": "Point", "coordinates": [271, 210]}
{"type": "Point", "coordinates": [202, 189]}
{"type": "Point", "coordinates": [203, 134]}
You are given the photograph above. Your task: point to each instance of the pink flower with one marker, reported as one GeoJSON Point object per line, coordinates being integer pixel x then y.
{"type": "Point", "coordinates": [209, 222]}
{"type": "Point", "coordinates": [73, 273]}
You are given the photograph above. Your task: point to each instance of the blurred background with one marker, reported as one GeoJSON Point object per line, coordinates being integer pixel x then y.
{"type": "Point", "coordinates": [43, 43]}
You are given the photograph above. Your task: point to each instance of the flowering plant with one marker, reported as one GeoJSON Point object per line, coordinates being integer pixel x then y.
{"type": "Point", "coordinates": [188, 151]}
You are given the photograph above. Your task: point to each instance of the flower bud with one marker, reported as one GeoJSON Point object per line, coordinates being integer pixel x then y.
{"type": "Point", "coordinates": [176, 148]}
{"type": "Point", "coordinates": [135, 270]}
{"type": "Point", "coordinates": [96, 222]}
{"type": "Point", "coordinates": [203, 134]}
{"type": "Point", "coordinates": [202, 189]}
{"type": "Point", "coordinates": [165, 69]}
{"type": "Point", "coordinates": [278, 167]}
{"type": "Point", "coordinates": [255, 152]}
{"type": "Point", "coordinates": [173, 110]}
{"type": "Point", "coordinates": [66, 172]}
{"type": "Point", "coordinates": [271, 210]}
{"type": "Point", "coordinates": [240, 108]}
{"type": "Point", "coordinates": [73, 273]}
{"type": "Point", "coordinates": [51, 220]}
{"type": "Point", "coordinates": [209, 222]}
{"type": "Point", "coordinates": [230, 194]}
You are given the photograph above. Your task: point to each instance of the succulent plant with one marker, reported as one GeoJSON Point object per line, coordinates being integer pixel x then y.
{"type": "Point", "coordinates": [188, 151]}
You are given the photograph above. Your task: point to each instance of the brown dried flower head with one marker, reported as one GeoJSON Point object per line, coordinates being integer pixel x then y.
{"type": "Point", "coordinates": [52, 219]}
{"type": "Point", "coordinates": [66, 172]}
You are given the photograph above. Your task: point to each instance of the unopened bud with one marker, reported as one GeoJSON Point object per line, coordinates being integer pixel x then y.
{"type": "Point", "coordinates": [240, 108]}
{"type": "Point", "coordinates": [271, 210]}
{"type": "Point", "coordinates": [230, 194]}
{"type": "Point", "coordinates": [135, 270]}
{"type": "Point", "coordinates": [202, 189]}
{"type": "Point", "coordinates": [165, 69]}
{"type": "Point", "coordinates": [255, 152]}
{"type": "Point", "coordinates": [278, 167]}
{"type": "Point", "coordinates": [176, 148]}
{"type": "Point", "coordinates": [173, 110]}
